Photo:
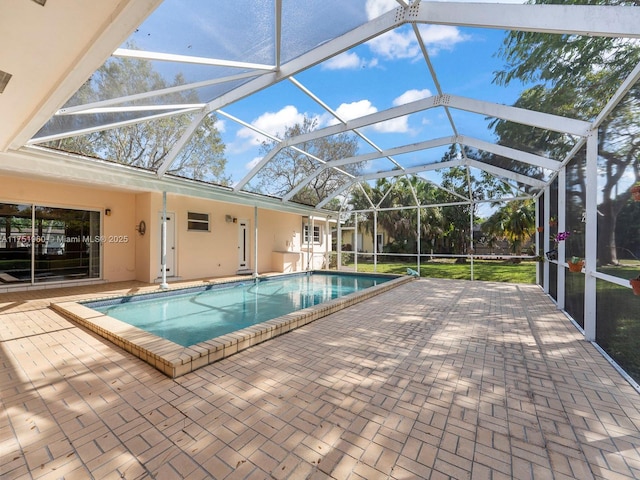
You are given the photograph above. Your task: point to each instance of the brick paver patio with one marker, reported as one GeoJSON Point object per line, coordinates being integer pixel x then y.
{"type": "Point", "coordinates": [435, 379]}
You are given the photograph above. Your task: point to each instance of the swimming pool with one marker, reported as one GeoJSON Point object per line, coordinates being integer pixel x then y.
{"type": "Point", "coordinates": [175, 359]}
{"type": "Point", "coordinates": [197, 314]}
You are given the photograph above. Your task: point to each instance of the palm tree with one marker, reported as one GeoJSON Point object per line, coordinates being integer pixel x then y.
{"type": "Point", "coordinates": [514, 222]}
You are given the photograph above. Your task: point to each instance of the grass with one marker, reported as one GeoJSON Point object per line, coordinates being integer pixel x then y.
{"type": "Point", "coordinates": [487, 270]}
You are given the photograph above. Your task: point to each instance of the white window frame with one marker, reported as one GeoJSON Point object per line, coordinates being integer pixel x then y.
{"type": "Point", "coordinates": [317, 238]}
{"type": "Point", "coordinates": [192, 220]}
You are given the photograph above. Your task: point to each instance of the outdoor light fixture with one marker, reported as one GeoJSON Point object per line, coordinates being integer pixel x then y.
{"type": "Point", "coordinates": [4, 80]}
{"type": "Point", "coordinates": [107, 212]}
{"type": "Point", "coordinates": [141, 228]}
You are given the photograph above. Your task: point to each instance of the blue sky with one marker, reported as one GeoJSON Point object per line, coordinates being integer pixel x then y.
{"type": "Point", "coordinates": [386, 71]}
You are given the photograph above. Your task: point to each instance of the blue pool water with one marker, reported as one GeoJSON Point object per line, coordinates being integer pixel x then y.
{"type": "Point", "coordinates": [193, 315]}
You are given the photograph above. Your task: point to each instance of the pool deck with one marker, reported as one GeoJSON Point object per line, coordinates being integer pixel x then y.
{"type": "Point", "coordinates": [434, 379]}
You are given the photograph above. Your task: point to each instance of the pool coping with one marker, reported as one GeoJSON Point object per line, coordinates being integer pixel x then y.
{"type": "Point", "coordinates": [175, 360]}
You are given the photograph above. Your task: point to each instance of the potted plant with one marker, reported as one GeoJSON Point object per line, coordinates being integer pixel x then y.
{"type": "Point", "coordinates": [553, 222]}
{"type": "Point", "coordinates": [552, 254]}
{"type": "Point", "coordinates": [540, 229]}
{"type": "Point", "coordinates": [575, 264]}
{"type": "Point", "coordinates": [635, 192]}
{"type": "Point", "coordinates": [635, 285]}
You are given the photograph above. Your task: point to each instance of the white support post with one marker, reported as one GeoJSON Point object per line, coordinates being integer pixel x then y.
{"type": "Point", "coordinates": [419, 239]}
{"type": "Point", "coordinates": [309, 233]}
{"type": "Point", "coordinates": [375, 240]}
{"type": "Point", "coordinates": [339, 244]}
{"type": "Point", "coordinates": [545, 243]}
{"type": "Point", "coordinates": [255, 242]}
{"type": "Point", "coordinates": [471, 236]}
{"type": "Point", "coordinates": [591, 239]}
{"type": "Point", "coordinates": [312, 237]}
{"type": "Point", "coordinates": [562, 226]}
{"type": "Point", "coordinates": [327, 243]}
{"type": "Point", "coordinates": [538, 264]}
{"type": "Point", "coordinates": [163, 242]}
{"type": "Point", "coordinates": [355, 243]}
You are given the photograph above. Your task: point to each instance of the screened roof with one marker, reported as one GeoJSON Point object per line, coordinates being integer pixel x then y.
{"type": "Point", "coordinates": [402, 88]}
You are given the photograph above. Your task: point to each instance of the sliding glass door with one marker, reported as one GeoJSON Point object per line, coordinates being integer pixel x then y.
{"type": "Point", "coordinates": [16, 229]}
{"type": "Point", "coordinates": [44, 244]}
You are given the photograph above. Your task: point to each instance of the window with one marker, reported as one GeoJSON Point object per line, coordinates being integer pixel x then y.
{"type": "Point", "coordinates": [198, 221]}
{"type": "Point", "coordinates": [317, 239]}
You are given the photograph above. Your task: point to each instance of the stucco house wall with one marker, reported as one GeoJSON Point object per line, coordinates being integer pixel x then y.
{"type": "Point", "coordinates": [197, 254]}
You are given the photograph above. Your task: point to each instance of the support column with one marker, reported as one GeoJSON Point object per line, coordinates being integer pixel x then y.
{"type": "Point", "coordinates": [375, 240]}
{"type": "Point", "coordinates": [546, 245]}
{"type": "Point", "coordinates": [339, 244]}
{"type": "Point", "coordinates": [255, 242]}
{"type": "Point", "coordinates": [419, 240]}
{"type": "Point", "coordinates": [355, 243]}
{"type": "Point", "coordinates": [471, 208]}
{"type": "Point", "coordinates": [562, 227]}
{"type": "Point", "coordinates": [591, 240]}
{"type": "Point", "coordinates": [163, 242]}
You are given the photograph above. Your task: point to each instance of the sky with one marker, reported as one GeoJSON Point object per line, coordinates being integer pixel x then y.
{"type": "Point", "coordinates": [385, 72]}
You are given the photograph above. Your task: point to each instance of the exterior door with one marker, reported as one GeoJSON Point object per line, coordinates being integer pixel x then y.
{"type": "Point", "coordinates": [243, 245]}
{"type": "Point", "coordinates": [171, 245]}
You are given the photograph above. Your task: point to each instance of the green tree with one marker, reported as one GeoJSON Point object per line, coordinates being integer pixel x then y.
{"type": "Point", "coordinates": [401, 224]}
{"type": "Point", "coordinates": [289, 166]}
{"type": "Point", "coordinates": [575, 76]}
{"type": "Point", "coordinates": [462, 181]}
{"type": "Point", "coordinates": [145, 144]}
{"type": "Point", "coordinates": [515, 222]}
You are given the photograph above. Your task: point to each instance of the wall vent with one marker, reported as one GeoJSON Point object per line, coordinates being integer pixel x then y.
{"type": "Point", "coordinates": [4, 79]}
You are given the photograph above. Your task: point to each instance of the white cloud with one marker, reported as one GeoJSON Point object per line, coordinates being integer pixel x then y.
{"type": "Point", "coordinates": [348, 61]}
{"type": "Point", "coordinates": [441, 37]}
{"type": "Point", "coordinates": [402, 43]}
{"type": "Point", "coordinates": [273, 123]}
{"type": "Point", "coordinates": [349, 111]}
{"type": "Point", "coordinates": [395, 44]}
{"type": "Point", "coordinates": [411, 96]}
{"type": "Point", "coordinates": [344, 61]}
{"type": "Point", "coordinates": [395, 125]}
{"type": "Point", "coordinates": [375, 8]}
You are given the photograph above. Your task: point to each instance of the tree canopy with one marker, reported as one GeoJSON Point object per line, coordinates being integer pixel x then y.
{"type": "Point", "coordinates": [145, 144]}
{"type": "Point", "coordinates": [575, 76]}
{"type": "Point", "coordinates": [290, 166]}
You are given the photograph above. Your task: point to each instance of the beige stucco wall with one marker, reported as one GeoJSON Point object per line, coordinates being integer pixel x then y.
{"type": "Point", "coordinates": [215, 253]}
{"type": "Point", "coordinates": [198, 254]}
{"type": "Point", "coordinates": [120, 225]}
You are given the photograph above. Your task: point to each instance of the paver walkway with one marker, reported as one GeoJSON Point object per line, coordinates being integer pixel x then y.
{"type": "Point", "coordinates": [436, 379]}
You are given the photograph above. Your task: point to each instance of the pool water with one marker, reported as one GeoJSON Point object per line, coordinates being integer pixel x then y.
{"type": "Point", "coordinates": [194, 315]}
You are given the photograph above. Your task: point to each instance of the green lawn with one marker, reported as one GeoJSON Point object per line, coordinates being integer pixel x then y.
{"type": "Point", "coordinates": [489, 270]}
